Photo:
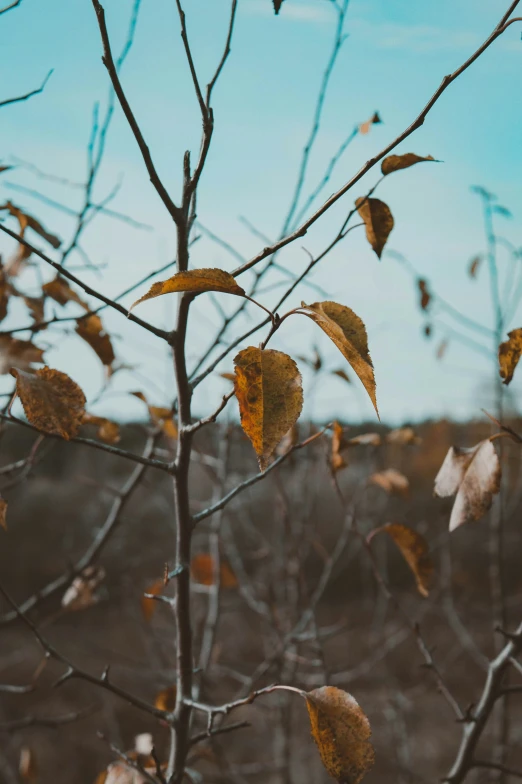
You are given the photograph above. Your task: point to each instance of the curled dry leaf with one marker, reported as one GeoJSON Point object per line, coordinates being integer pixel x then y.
{"type": "Point", "coordinates": [392, 481]}
{"type": "Point", "coordinates": [474, 266]}
{"type": "Point", "coordinates": [474, 476]}
{"type": "Point", "coordinates": [415, 550]}
{"type": "Point", "coordinates": [347, 331]}
{"type": "Point", "coordinates": [365, 439]}
{"type": "Point", "coordinates": [162, 417]}
{"type": "Point", "coordinates": [342, 374]}
{"type": "Point", "coordinates": [270, 397]}
{"type": "Point", "coordinates": [342, 733]}
{"type": "Point", "coordinates": [36, 308]}
{"type": "Point", "coordinates": [165, 699]}
{"type": "Point", "coordinates": [149, 605]}
{"type": "Point", "coordinates": [21, 353]}
{"type": "Point", "coordinates": [378, 222]}
{"type": "Point", "coordinates": [27, 221]}
{"type": "Point", "coordinates": [337, 461]}
{"type": "Point", "coordinates": [108, 431]}
{"type": "Point", "coordinates": [59, 290]}
{"type": "Point", "coordinates": [82, 591]}
{"type": "Point", "coordinates": [91, 330]}
{"type": "Point", "coordinates": [425, 296]}
{"type": "Point", "coordinates": [196, 281]}
{"type": "Point", "coordinates": [509, 354]}
{"type": "Point", "coordinates": [395, 162]}
{"type": "Point", "coordinates": [202, 571]}
{"type": "Point", "coordinates": [3, 513]}
{"type": "Point", "coordinates": [403, 436]}
{"type": "Point", "coordinates": [53, 402]}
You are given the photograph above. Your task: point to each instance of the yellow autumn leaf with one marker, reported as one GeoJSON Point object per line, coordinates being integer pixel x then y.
{"type": "Point", "coordinates": [509, 354]}
{"type": "Point", "coordinates": [378, 221]}
{"type": "Point", "coordinates": [52, 401]}
{"type": "Point", "coordinates": [342, 733]}
{"type": "Point", "coordinates": [92, 331]}
{"type": "Point", "coordinates": [108, 431]}
{"type": "Point", "coordinates": [270, 397]}
{"type": "Point", "coordinates": [337, 461]}
{"type": "Point", "coordinates": [347, 331]}
{"type": "Point", "coordinates": [395, 162]}
{"type": "Point", "coordinates": [196, 281]}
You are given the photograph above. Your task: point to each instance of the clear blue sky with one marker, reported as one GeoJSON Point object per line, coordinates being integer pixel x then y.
{"type": "Point", "coordinates": [395, 56]}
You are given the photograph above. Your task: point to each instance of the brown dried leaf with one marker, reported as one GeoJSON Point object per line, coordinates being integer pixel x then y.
{"type": "Point", "coordinates": [270, 397]}
{"type": "Point", "coordinates": [162, 417]}
{"type": "Point", "coordinates": [36, 308]}
{"type": "Point", "coordinates": [5, 291]}
{"type": "Point", "coordinates": [425, 296]}
{"type": "Point", "coordinates": [196, 281]}
{"type": "Point", "coordinates": [228, 376]}
{"type": "Point", "coordinates": [474, 266]}
{"type": "Point", "coordinates": [509, 354]}
{"type": "Point", "coordinates": [395, 162]}
{"type": "Point", "coordinates": [342, 374]}
{"type": "Point", "coordinates": [21, 353]}
{"type": "Point", "coordinates": [92, 331]}
{"type": "Point", "coordinates": [342, 733]}
{"type": "Point", "coordinates": [403, 436]}
{"type": "Point", "coordinates": [392, 481]}
{"type": "Point", "coordinates": [348, 333]}
{"type": "Point", "coordinates": [337, 461]}
{"type": "Point", "coordinates": [82, 591]}
{"type": "Point", "coordinates": [165, 699]}
{"type": "Point", "coordinates": [202, 571]}
{"type": "Point", "coordinates": [415, 550]}
{"type": "Point", "coordinates": [27, 221]}
{"type": "Point", "coordinates": [474, 476]}
{"type": "Point", "coordinates": [108, 431]}
{"type": "Point", "coordinates": [364, 127]}
{"type": "Point", "coordinates": [3, 513]}
{"type": "Point", "coordinates": [59, 290]}
{"type": "Point", "coordinates": [378, 221]}
{"type": "Point", "coordinates": [53, 402]}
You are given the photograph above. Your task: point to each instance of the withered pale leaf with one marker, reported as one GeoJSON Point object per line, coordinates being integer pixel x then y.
{"type": "Point", "coordinates": [27, 766]}
{"type": "Point", "coordinates": [391, 480]}
{"type": "Point", "coordinates": [91, 330]}
{"type": "Point", "coordinates": [474, 476]}
{"type": "Point", "coordinates": [415, 550]}
{"type": "Point", "coordinates": [378, 222]}
{"type": "Point", "coordinates": [165, 699]}
{"type": "Point", "coordinates": [509, 354]}
{"type": "Point", "coordinates": [108, 431]}
{"type": "Point", "coordinates": [3, 513]}
{"type": "Point", "coordinates": [395, 162]}
{"type": "Point", "coordinates": [365, 439]}
{"type": "Point", "coordinates": [347, 331]}
{"type": "Point", "coordinates": [21, 353]}
{"type": "Point", "coordinates": [82, 592]}
{"type": "Point", "coordinates": [270, 397]}
{"type": "Point", "coordinates": [337, 461]}
{"type": "Point", "coordinates": [196, 281]}
{"type": "Point", "coordinates": [52, 401]}
{"type": "Point", "coordinates": [59, 290]}
{"type": "Point", "coordinates": [342, 733]}
{"type": "Point", "coordinates": [202, 571]}
{"type": "Point", "coordinates": [403, 436]}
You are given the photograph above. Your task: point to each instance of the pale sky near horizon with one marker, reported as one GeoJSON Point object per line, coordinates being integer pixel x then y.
{"type": "Point", "coordinates": [395, 55]}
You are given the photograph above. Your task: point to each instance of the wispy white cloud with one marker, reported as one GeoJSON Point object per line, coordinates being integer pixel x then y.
{"type": "Point", "coordinates": [413, 38]}
{"type": "Point", "coordinates": [316, 12]}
